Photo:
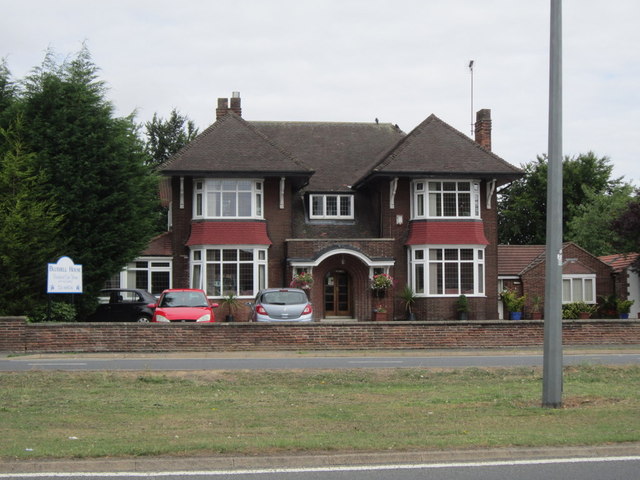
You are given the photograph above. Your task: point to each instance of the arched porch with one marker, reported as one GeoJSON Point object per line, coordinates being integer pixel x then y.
{"type": "Point", "coordinates": [341, 287]}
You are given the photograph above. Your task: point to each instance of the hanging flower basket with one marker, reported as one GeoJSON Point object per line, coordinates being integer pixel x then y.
{"type": "Point", "coordinates": [302, 280]}
{"type": "Point", "coordinates": [382, 281]}
{"type": "Point", "coordinates": [380, 284]}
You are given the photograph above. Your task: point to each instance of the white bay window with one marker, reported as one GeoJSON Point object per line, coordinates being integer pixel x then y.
{"type": "Point", "coordinates": [227, 198]}
{"type": "Point", "coordinates": [445, 199]}
{"type": "Point", "coordinates": [447, 270]}
{"type": "Point", "coordinates": [225, 270]}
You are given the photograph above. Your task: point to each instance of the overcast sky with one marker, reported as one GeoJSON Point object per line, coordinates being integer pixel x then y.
{"type": "Point", "coordinates": [355, 60]}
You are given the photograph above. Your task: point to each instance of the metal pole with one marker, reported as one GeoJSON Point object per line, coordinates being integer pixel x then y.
{"type": "Point", "coordinates": [471, 71]}
{"type": "Point", "coordinates": [552, 362]}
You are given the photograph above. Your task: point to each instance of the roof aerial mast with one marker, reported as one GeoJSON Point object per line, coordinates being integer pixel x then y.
{"type": "Point", "coordinates": [471, 71]}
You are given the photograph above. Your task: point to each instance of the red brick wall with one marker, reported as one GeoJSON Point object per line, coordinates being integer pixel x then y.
{"type": "Point", "coordinates": [19, 337]}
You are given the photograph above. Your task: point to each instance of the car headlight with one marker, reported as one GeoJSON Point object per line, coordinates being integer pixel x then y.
{"type": "Point", "coordinates": [162, 318]}
{"type": "Point", "coordinates": [204, 318]}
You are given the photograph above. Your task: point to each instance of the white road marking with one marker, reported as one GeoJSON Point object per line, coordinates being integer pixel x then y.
{"type": "Point", "coordinates": [357, 468]}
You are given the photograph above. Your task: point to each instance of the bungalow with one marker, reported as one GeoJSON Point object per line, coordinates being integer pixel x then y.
{"type": "Point", "coordinates": [522, 268]}
{"type": "Point", "coordinates": [253, 203]}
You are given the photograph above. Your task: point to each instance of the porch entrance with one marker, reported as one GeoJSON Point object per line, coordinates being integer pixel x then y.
{"type": "Point", "coordinates": [337, 294]}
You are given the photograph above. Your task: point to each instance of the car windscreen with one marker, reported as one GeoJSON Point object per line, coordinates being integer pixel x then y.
{"type": "Point", "coordinates": [183, 299]}
{"type": "Point", "coordinates": [284, 298]}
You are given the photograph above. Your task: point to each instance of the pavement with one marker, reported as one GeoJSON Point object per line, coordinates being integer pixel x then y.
{"type": "Point", "coordinates": [332, 459]}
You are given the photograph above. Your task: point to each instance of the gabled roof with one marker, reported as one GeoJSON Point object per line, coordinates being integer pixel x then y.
{"type": "Point", "coordinates": [435, 148]}
{"type": "Point", "coordinates": [620, 261]}
{"type": "Point", "coordinates": [232, 146]}
{"type": "Point", "coordinates": [339, 152]}
{"type": "Point", "coordinates": [515, 260]}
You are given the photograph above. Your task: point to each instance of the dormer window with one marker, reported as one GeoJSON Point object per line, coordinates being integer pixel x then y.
{"type": "Point", "coordinates": [446, 199]}
{"type": "Point", "coordinates": [339, 207]}
{"type": "Point", "coordinates": [227, 198]}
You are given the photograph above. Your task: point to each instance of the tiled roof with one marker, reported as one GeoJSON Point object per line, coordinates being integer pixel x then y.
{"type": "Point", "coordinates": [436, 148]}
{"type": "Point", "coordinates": [619, 261]}
{"type": "Point", "coordinates": [231, 146]}
{"type": "Point", "coordinates": [229, 233]}
{"type": "Point", "coordinates": [513, 260]}
{"type": "Point", "coordinates": [447, 233]}
{"type": "Point", "coordinates": [340, 153]}
{"type": "Point", "coordinates": [160, 245]}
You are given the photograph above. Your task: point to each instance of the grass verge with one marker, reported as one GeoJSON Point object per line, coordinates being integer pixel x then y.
{"type": "Point", "coordinates": [79, 415]}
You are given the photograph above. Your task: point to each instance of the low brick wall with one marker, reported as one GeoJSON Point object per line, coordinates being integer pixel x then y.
{"type": "Point", "coordinates": [18, 336]}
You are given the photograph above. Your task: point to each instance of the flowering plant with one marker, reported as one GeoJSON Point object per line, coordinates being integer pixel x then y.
{"type": "Point", "coordinates": [302, 280]}
{"type": "Point", "coordinates": [382, 281]}
{"type": "Point", "coordinates": [380, 309]}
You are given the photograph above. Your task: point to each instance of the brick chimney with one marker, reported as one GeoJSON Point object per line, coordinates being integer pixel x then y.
{"type": "Point", "coordinates": [483, 128]}
{"type": "Point", "coordinates": [223, 106]}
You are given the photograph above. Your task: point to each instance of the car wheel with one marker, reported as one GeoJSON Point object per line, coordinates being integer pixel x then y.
{"type": "Point", "coordinates": [143, 319]}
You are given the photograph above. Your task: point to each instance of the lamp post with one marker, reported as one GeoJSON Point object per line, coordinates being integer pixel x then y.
{"type": "Point", "coordinates": [552, 360]}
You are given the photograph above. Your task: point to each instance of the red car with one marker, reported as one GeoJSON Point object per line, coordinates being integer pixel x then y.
{"type": "Point", "coordinates": [183, 305]}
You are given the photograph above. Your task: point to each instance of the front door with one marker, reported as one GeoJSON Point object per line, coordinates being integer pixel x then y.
{"type": "Point", "coordinates": [337, 294]}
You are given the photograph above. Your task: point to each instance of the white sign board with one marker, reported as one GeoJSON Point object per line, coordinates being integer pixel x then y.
{"type": "Point", "coordinates": [64, 276]}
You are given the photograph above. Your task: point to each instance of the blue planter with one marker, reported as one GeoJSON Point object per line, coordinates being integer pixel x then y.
{"type": "Point", "coordinates": [515, 315]}
{"type": "Point", "coordinates": [624, 315]}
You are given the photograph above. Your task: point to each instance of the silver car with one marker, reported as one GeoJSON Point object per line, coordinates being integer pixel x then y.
{"type": "Point", "coordinates": [282, 305]}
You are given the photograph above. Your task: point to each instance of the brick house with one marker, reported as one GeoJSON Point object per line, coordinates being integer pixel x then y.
{"type": "Point", "coordinates": [522, 268]}
{"type": "Point", "coordinates": [254, 202]}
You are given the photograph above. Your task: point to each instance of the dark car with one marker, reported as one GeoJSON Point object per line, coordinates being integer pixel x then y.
{"type": "Point", "coordinates": [282, 305]}
{"type": "Point", "coordinates": [123, 305]}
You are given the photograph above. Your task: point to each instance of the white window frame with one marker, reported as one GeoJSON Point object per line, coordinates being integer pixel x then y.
{"type": "Point", "coordinates": [127, 277]}
{"type": "Point", "coordinates": [423, 194]}
{"type": "Point", "coordinates": [206, 191]}
{"type": "Point", "coordinates": [325, 215]}
{"type": "Point", "coordinates": [422, 267]}
{"type": "Point", "coordinates": [579, 282]}
{"type": "Point", "coordinates": [201, 265]}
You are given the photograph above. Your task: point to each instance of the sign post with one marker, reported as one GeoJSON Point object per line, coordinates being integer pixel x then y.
{"type": "Point", "coordinates": [64, 276]}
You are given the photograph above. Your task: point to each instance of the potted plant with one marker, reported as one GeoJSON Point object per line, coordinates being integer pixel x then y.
{"type": "Point", "coordinates": [462, 307]}
{"type": "Point", "coordinates": [302, 280]}
{"type": "Point", "coordinates": [536, 306]}
{"type": "Point", "coordinates": [580, 310]}
{"type": "Point", "coordinates": [380, 314]}
{"type": "Point", "coordinates": [585, 310]}
{"type": "Point", "coordinates": [380, 283]}
{"type": "Point", "coordinates": [623, 307]}
{"type": "Point", "coordinates": [232, 303]}
{"type": "Point", "coordinates": [408, 297]}
{"type": "Point", "coordinates": [513, 303]}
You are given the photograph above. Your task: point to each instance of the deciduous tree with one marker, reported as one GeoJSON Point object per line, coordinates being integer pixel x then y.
{"type": "Point", "coordinates": [522, 205]}
{"type": "Point", "coordinates": [166, 137]}
{"type": "Point", "coordinates": [627, 227]}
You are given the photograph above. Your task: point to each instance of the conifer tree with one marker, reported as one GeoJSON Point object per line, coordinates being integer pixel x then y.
{"type": "Point", "coordinates": [95, 165]}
